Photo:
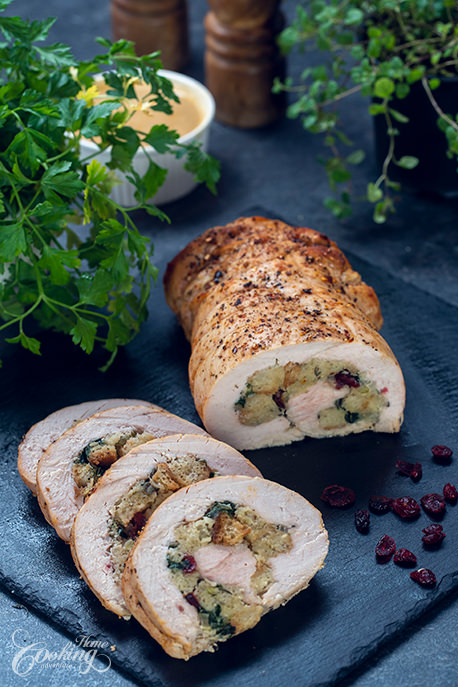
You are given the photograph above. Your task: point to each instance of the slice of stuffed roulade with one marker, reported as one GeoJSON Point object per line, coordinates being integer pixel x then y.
{"type": "Point", "coordinates": [70, 468]}
{"type": "Point", "coordinates": [43, 433]}
{"type": "Point", "coordinates": [284, 348]}
{"type": "Point", "coordinates": [218, 555]}
{"type": "Point", "coordinates": [109, 522]}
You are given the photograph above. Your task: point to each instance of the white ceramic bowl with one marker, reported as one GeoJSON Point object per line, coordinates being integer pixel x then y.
{"type": "Point", "coordinates": [178, 181]}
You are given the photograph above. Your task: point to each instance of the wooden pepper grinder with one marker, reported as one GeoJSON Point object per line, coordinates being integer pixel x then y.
{"type": "Point", "coordinates": [242, 59]}
{"type": "Point", "coordinates": [154, 25]}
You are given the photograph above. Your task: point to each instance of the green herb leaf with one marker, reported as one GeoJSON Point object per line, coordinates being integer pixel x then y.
{"type": "Point", "coordinates": [161, 138]}
{"type": "Point", "coordinates": [384, 87]}
{"type": "Point", "coordinates": [27, 342]}
{"type": "Point", "coordinates": [13, 241]}
{"type": "Point", "coordinates": [374, 193]}
{"type": "Point", "coordinates": [221, 507]}
{"type": "Point", "coordinates": [83, 333]}
{"type": "Point", "coordinates": [356, 157]}
{"type": "Point", "coordinates": [204, 167]}
{"type": "Point", "coordinates": [407, 162]}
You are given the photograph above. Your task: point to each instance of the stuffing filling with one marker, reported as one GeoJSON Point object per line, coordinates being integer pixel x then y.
{"type": "Point", "coordinates": [220, 564]}
{"type": "Point", "coordinates": [131, 512]}
{"type": "Point", "coordinates": [335, 394]}
{"type": "Point", "coordinates": [99, 454]}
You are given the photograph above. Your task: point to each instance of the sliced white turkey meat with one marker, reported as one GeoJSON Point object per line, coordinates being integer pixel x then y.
{"type": "Point", "coordinates": [218, 555]}
{"type": "Point", "coordinates": [43, 433]}
{"type": "Point", "coordinates": [111, 519]}
{"type": "Point", "coordinates": [70, 468]}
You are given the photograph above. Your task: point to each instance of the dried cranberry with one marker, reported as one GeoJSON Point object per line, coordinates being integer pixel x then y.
{"type": "Point", "coordinates": [189, 563]}
{"type": "Point", "coordinates": [380, 504]}
{"type": "Point", "coordinates": [406, 507]}
{"type": "Point", "coordinates": [191, 599]}
{"type": "Point", "coordinates": [345, 378]}
{"type": "Point", "coordinates": [450, 493]}
{"type": "Point", "coordinates": [424, 577]}
{"type": "Point", "coordinates": [433, 504]}
{"type": "Point", "coordinates": [405, 558]}
{"type": "Point", "coordinates": [433, 536]}
{"type": "Point", "coordinates": [338, 497]}
{"type": "Point", "coordinates": [278, 399]}
{"type": "Point", "coordinates": [362, 521]}
{"type": "Point", "coordinates": [412, 470]}
{"type": "Point", "coordinates": [385, 548]}
{"type": "Point", "coordinates": [434, 527]}
{"type": "Point", "coordinates": [136, 524]}
{"type": "Point", "coordinates": [442, 454]}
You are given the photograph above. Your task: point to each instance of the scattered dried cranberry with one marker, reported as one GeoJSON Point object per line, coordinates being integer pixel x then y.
{"type": "Point", "coordinates": [434, 527]}
{"type": "Point", "coordinates": [191, 599]}
{"type": "Point", "coordinates": [433, 536]}
{"type": "Point", "coordinates": [189, 563]}
{"type": "Point", "coordinates": [345, 378]}
{"type": "Point", "coordinates": [424, 577]}
{"type": "Point", "coordinates": [385, 548]}
{"type": "Point", "coordinates": [433, 504]}
{"type": "Point", "coordinates": [406, 507]}
{"type": "Point", "coordinates": [405, 558]}
{"type": "Point", "coordinates": [380, 504]}
{"type": "Point", "coordinates": [442, 454]}
{"type": "Point", "coordinates": [412, 470]}
{"type": "Point", "coordinates": [338, 497]}
{"type": "Point", "coordinates": [362, 521]}
{"type": "Point", "coordinates": [450, 493]}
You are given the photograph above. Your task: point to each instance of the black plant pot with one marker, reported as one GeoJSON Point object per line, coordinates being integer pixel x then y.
{"type": "Point", "coordinates": [422, 138]}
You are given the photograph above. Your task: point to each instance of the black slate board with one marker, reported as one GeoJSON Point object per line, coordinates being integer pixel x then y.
{"type": "Point", "coordinates": [353, 605]}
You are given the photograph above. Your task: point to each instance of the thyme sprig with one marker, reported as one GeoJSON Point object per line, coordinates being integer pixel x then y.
{"type": "Point", "coordinates": [380, 48]}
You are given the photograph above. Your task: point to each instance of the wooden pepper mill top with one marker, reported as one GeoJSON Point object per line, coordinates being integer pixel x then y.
{"type": "Point", "coordinates": [154, 25]}
{"type": "Point", "coordinates": [243, 14]}
{"type": "Point", "coordinates": [242, 60]}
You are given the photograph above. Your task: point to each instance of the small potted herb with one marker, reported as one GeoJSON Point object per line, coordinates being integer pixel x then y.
{"type": "Point", "coordinates": [403, 56]}
{"type": "Point", "coordinates": [90, 281]}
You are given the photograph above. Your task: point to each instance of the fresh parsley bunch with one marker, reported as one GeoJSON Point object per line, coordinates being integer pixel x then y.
{"type": "Point", "coordinates": [90, 281]}
{"type": "Point", "coordinates": [381, 48]}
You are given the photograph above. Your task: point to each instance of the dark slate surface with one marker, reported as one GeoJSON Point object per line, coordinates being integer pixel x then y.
{"type": "Point", "coordinates": [355, 612]}
{"type": "Point", "coordinates": [348, 610]}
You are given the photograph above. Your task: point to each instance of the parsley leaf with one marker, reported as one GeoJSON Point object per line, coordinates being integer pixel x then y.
{"type": "Point", "coordinates": [71, 258]}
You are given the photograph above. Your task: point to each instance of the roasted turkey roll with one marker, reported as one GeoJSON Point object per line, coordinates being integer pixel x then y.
{"type": "Point", "coordinates": [109, 522]}
{"type": "Point", "coordinates": [217, 556]}
{"type": "Point", "coordinates": [293, 351]}
{"type": "Point", "coordinates": [43, 433]}
{"type": "Point", "coordinates": [70, 468]}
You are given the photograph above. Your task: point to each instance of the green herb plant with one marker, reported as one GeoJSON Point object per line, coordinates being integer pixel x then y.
{"type": "Point", "coordinates": [91, 282]}
{"type": "Point", "coordinates": [380, 48]}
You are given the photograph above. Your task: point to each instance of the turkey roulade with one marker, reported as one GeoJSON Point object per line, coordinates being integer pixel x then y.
{"type": "Point", "coordinates": [43, 433]}
{"type": "Point", "coordinates": [70, 468]}
{"type": "Point", "coordinates": [284, 337]}
{"type": "Point", "coordinates": [216, 556]}
{"type": "Point", "coordinates": [109, 522]}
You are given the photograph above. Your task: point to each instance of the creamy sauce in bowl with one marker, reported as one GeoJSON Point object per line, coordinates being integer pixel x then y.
{"type": "Point", "coordinates": [187, 115]}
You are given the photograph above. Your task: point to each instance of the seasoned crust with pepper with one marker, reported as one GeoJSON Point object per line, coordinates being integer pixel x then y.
{"type": "Point", "coordinates": [261, 252]}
